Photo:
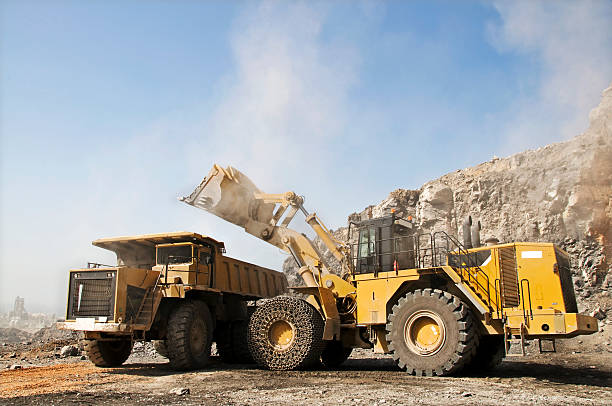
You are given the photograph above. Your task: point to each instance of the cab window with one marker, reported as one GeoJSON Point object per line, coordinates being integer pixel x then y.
{"type": "Point", "coordinates": [174, 254]}
{"type": "Point", "coordinates": [367, 242]}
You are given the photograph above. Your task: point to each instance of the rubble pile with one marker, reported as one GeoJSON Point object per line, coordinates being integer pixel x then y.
{"type": "Point", "coordinates": [559, 193]}
{"type": "Point", "coordinates": [52, 334]}
{"type": "Point", "coordinates": [13, 335]}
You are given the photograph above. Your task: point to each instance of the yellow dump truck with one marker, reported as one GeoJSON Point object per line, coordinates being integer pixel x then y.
{"type": "Point", "coordinates": [178, 289]}
{"type": "Point", "coordinates": [435, 304]}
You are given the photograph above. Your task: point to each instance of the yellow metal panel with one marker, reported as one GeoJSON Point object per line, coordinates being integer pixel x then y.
{"type": "Point", "coordinates": [222, 278]}
{"type": "Point", "coordinates": [234, 272]}
{"type": "Point", "coordinates": [244, 278]}
{"type": "Point", "coordinates": [559, 323]}
{"type": "Point", "coordinates": [140, 278]}
{"type": "Point", "coordinates": [340, 287]}
{"type": "Point", "coordinates": [373, 294]}
{"type": "Point", "coordinates": [371, 301]}
{"type": "Point", "coordinates": [552, 323]}
{"type": "Point", "coordinates": [535, 263]}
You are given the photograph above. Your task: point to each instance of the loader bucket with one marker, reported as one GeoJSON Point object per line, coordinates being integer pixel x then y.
{"type": "Point", "coordinates": [229, 194]}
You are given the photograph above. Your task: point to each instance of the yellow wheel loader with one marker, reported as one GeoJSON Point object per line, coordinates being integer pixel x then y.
{"type": "Point", "coordinates": [436, 304]}
{"type": "Point", "coordinates": [178, 290]}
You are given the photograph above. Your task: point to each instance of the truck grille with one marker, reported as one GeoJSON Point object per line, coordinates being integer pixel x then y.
{"type": "Point", "coordinates": [567, 285]}
{"type": "Point", "coordinates": [91, 294]}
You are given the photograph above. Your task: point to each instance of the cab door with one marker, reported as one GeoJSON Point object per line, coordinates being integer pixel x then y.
{"type": "Point", "coordinates": [204, 266]}
{"type": "Point", "coordinates": [367, 260]}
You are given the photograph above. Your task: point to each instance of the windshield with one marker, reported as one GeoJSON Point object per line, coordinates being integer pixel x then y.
{"type": "Point", "coordinates": [174, 254]}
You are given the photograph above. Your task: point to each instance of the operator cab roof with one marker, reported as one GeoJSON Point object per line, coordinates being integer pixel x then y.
{"type": "Point", "coordinates": [385, 221]}
{"type": "Point", "coordinates": [151, 240]}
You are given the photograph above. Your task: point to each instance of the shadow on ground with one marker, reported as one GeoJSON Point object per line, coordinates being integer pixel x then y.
{"type": "Point", "coordinates": [509, 369]}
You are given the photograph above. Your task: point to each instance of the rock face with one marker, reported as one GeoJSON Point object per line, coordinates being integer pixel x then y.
{"type": "Point", "coordinates": [559, 193]}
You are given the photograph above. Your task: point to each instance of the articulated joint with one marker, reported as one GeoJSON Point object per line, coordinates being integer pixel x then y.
{"type": "Point", "coordinates": [293, 199]}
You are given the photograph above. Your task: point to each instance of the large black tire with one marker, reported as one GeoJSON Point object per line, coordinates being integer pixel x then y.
{"type": "Point", "coordinates": [161, 347]}
{"type": "Point", "coordinates": [232, 342]}
{"type": "Point", "coordinates": [189, 336]}
{"type": "Point", "coordinates": [108, 353]}
{"type": "Point", "coordinates": [431, 332]}
{"type": "Point", "coordinates": [489, 354]}
{"type": "Point", "coordinates": [286, 333]}
{"type": "Point", "coordinates": [335, 354]}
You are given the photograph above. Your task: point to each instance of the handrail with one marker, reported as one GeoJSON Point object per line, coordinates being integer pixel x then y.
{"type": "Point", "coordinates": [464, 252]}
{"type": "Point", "coordinates": [431, 253]}
{"type": "Point", "coordinates": [523, 299]}
{"type": "Point", "coordinates": [498, 306]}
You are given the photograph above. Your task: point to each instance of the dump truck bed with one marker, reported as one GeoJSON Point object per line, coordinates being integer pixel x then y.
{"type": "Point", "coordinates": [246, 279]}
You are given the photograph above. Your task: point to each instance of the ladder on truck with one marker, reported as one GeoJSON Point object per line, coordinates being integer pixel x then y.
{"type": "Point", "coordinates": [145, 313]}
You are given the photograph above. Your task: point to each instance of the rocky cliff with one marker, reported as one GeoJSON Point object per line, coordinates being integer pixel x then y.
{"type": "Point", "coordinates": [560, 193]}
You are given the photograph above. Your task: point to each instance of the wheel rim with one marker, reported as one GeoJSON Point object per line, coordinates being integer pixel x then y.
{"type": "Point", "coordinates": [424, 333]}
{"type": "Point", "coordinates": [281, 335]}
{"type": "Point", "coordinates": [197, 339]}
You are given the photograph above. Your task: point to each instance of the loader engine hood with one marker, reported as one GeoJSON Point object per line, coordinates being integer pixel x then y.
{"type": "Point", "coordinates": [229, 194]}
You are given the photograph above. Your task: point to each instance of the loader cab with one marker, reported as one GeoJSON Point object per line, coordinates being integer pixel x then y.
{"type": "Point", "coordinates": [384, 244]}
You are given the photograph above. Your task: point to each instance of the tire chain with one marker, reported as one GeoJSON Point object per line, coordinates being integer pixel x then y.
{"type": "Point", "coordinates": [308, 328]}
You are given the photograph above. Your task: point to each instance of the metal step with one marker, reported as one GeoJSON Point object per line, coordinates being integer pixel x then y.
{"type": "Point", "coordinates": [508, 338]}
{"type": "Point", "coordinates": [146, 308]}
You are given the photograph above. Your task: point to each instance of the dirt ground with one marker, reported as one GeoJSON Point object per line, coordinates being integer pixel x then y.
{"type": "Point", "coordinates": [561, 378]}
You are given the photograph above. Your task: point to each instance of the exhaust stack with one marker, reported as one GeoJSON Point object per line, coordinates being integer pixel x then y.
{"type": "Point", "coordinates": [467, 232]}
{"type": "Point", "coordinates": [476, 227]}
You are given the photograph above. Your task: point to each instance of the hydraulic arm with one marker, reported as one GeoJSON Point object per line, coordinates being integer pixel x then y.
{"type": "Point", "coordinates": [229, 194]}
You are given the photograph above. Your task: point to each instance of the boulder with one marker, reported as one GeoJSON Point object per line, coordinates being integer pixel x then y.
{"type": "Point", "coordinates": [69, 351]}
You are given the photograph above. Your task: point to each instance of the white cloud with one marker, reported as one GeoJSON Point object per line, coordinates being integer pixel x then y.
{"type": "Point", "coordinates": [286, 100]}
{"type": "Point", "coordinates": [572, 41]}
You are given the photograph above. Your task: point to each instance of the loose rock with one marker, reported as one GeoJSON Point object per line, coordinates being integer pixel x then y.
{"type": "Point", "coordinates": [179, 391]}
{"type": "Point", "coordinates": [69, 351]}
{"type": "Point", "coordinates": [598, 313]}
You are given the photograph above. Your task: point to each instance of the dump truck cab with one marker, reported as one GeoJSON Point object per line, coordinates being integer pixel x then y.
{"type": "Point", "coordinates": [186, 262]}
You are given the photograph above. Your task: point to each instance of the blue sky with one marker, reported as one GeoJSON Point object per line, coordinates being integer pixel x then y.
{"type": "Point", "coordinates": [110, 110]}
